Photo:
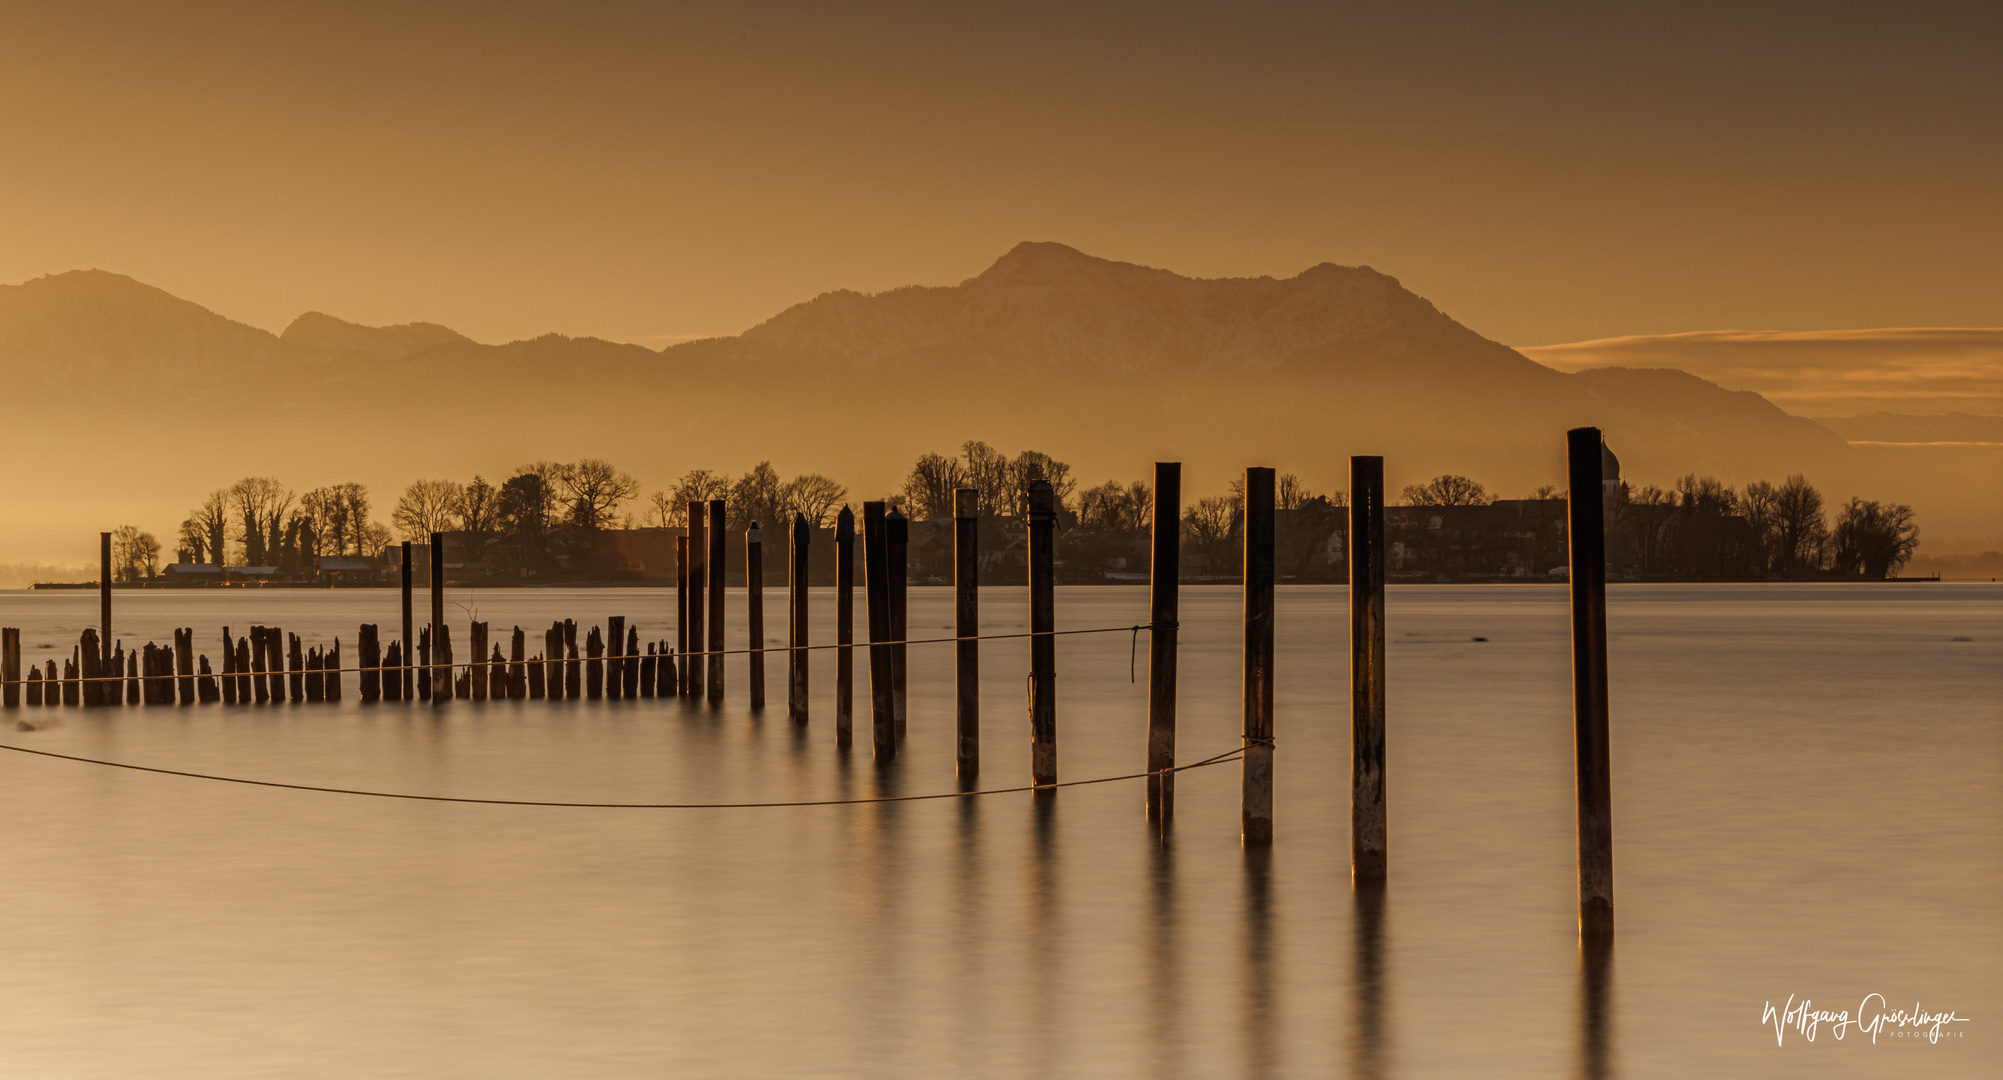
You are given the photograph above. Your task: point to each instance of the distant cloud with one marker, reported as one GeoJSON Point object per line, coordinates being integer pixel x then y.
{"type": "Point", "coordinates": [1820, 372]}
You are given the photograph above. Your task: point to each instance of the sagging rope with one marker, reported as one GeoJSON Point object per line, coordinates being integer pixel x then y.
{"type": "Point", "coordinates": [547, 661]}
{"type": "Point", "coordinates": [1228, 755]}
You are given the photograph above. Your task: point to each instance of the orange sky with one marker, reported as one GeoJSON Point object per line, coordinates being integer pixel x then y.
{"type": "Point", "coordinates": [645, 173]}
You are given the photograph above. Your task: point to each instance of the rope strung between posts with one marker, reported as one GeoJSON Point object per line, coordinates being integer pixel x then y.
{"type": "Point", "coordinates": [490, 662]}
{"type": "Point", "coordinates": [1228, 755]}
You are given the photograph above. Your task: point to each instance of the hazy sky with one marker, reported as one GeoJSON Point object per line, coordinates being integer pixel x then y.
{"type": "Point", "coordinates": [648, 172]}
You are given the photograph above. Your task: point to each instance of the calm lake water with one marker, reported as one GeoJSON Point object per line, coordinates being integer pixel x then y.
{"type": "Point", "coordinates": [1806, 803]}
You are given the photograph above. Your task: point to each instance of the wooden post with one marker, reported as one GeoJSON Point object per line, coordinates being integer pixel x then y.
{"type": "Point", "coordinates": [698, 539]}
{"type": "Point", "coordinates": [594, 664]}
{"type": "Point", "coordinates": [1256, 828]}
{"type": "Point", "coordinates": [10, 667]}
{"type": "Point", "coordinates": [538, 675]}
{"type": "Point", "coordinates": [552, 662]}
{"type": "Point", "coordinates": [115, 691]}
{"type": "Point", "coordinates": [754, 610]}
{"type": "Point", "coordinates": [206, 690]}
{"type": "Point", "coordinates": [681, 610]}
{"type": "Point", "coordinates": [1164, 613]}
{"type": "Point", "coordinates": [615, 643]}
{"type": "Point", "coordinates": [104, 603]}
{"type": "Point", "coordinates": [715, 566]}
{"type": "Point", "coordinates": [497, 675]}
{"type": "Point", "coordinates": [331, 658]}
{"type": "Point", "coordinates": [629, 671]}
{"type": "Point", "coordinates": [666, 682]}
{"type": "Point", "coordinates": [441, 668]}
{"type": "Point", "coordinates": [1042, 514]}
{"type": "Point", "coordinates": [395, 662]}
{"type": "Point", "coordinates": [184, 663]}
{"type": "Point", "coordinates": [648, 665]}
{"type": "Point", "coordinates": [424, 664]}
{"type": "Point", "coordinates": [476, 654]}
{"type": "Point", "coordinates": [405, 677]}
{"type": "Point", "coordinates": [573, 669]}
{"type": "Point", "coordinates": [1368, 850]}
{"type": "Point", "coordinates": [896, 546]}
{"type": "Point", "coordinates": [297, 670]}
{"type": "Point", "coordinates": [34, 686]}
{"type": "Point", "coordinates": [249, 670]}
{"type": "Point", "coordinates": [796, 624]}
{"type": "Point", "coordinates": [518, 674]}
{"type": "Point", "coordinates": [1589, 467]}
{"type": "Point", "coordinates": [370, 652]}
{"type": "Point", "coordinates": [87, 664]}
{"type": "Point", "coordinates": [967, 627]}
{"type": "Point", "coordinates": [844, 628]}
{"type": "Point", "coordinates": [71, 690]}
{"type": "Point", "coordinates": [316, 682]}
{"type": "Point", "coordinates": [883, 720]}
{"type": "Point", "coordinates": [52, 687]}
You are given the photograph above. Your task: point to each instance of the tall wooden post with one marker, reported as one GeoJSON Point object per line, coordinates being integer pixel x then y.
{"type": "Point", "coordinates": [409, 634]}
{"type": "Point", "coordinates": [296, 675]}
{"type": "Point", "coordinates": [882, 715]}
{"type": "Point", "coordinates": [1257, 818]}
{"type": "Point", "coordinates": [796, 601]}
{"type": "Point", "coordinates": [10, 667]}
{"type": "Point", "coordinates": [370, 654]}
{"type": "Point", "coordinates": [441, 671]}
{"type": "Point", "coordinates": [1042, 507]}
{"type": "Point", "coordinates": [1368, 850]}
{"type": "Point", "coordinates": [896, 546]}
{"type": "Point", "coordinates": [715, 566]}
{"type": "Point", "coordinates": [518, 671]}
{"type": "Point", "coordinates": [1164, 612]}
{"type": "Point", "coordinates": [476, 653]}
{"type": "Point", "coordinates": [844, 628]}
{"type": "Point", "coordinates": [184, 663]}
{"type": "Point", "coordinates": [754, 610]}
{"type": "Point", "coordinates": [573, 668]}
{"type": "Point", "coordinates": [967, 627]}
{"type": "Point", "coordinates": [698, 580]}
{"type": "Point", "coordinates": [1590, 466]}
{"type": "Point", "coordinates": [681, 613]}
{"type": "Point", "coordinates": [104, 601]}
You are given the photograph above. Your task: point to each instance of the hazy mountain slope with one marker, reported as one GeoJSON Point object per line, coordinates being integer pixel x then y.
{"type": "Point", "coordinates": [1885, 427]}
{"type": "Point", "coordinates": [1108, 365]}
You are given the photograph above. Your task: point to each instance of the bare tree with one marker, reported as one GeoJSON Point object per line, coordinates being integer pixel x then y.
{"type": "Point", "coordinates": [212, 518]}
{"type": "Point", "coordinates": [931, 485]}
{"type": "Point", "coordinates": [759, 496]}
{"type": "Point", "coordinates": [595, 489]}
{"type": "Point", "coordinates": [1033, 465]}
{"type": "Point", "coordinates": [663, 511]}
{"type": "Point", "coordinates": [427, 506]}
{"type": "Point", "coordinates": [1801, 534]}
{"type": "Point", "coordinates": [697, 485]}
{"type": "Point", "coordinates": [1873, 539]}
{"type": "Point", "coordinates": [1113, 505]}
{"type": "Point", "coordinates": [259, 504]}
{"type": "Point", "coordinates": [1447, 490]}
{"type": "Point", "coordinates": [135, 554]}
{"type": "Point", "coordinates": [1292, 493]}
{"type": "Point", "coordinates": [815, 496]}
{"type": "Point", "coordinates": [192, 544]}
{"type": "Point", "coordinates": [1759, 504]}
{"type": "Point", "coordinates": [989, 472]}
{"type": "Point", "coordinates": [1210, 526]}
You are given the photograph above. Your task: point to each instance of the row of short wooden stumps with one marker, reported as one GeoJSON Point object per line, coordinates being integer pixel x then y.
{"type": "Point", "coordinates": [270, 665]}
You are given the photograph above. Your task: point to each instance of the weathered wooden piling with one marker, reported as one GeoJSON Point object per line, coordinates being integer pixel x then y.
{"type": "Point", "coordinates": [1041, 507]}
{"type": "Point", "coordinates": [206, 690]}
{"type": "Point", "coordinates": [87, 665]}
{"type": "Point", "coordinates": [497, 675]}
{"type": "Point", "coordinates": [184, 663]}
{"type": "Point", "coordinates": [647, 665]}
{"type": "Point", "coordinates": [695, 612]}
{"type": "Point", "coordinates": [594, 666]}
{"type": "Point", "coordinates": [441, 663]}
{"type": "Point", "coordinates": [754, 611]}
{"type": "Point", "coordinates": [393, 659]}
{"type": "Point", "coordinates": [316, 680]}
{"type": "Point", "coordinates": [476, 653]}
{"type": "Point", "coordinates": [257, 654]}
{"type": "Point", "coordinates": [34, 686]}
{"type": "Point", "coordinates": [1590, 467]}
{"type": "Point", "coordinates": [424, 679]}
{"type": "Point", "coordinates": [229, 668]}
{"type": "Point", "coordinates": [876, 560]}
{"type": "Point", "coordinates": [667, 683]}
{"type": "Point", "coordinates": [552, 653]}
{"type": "Point", "coordinates": [1369, 853]}
{"type": "Point", "coordinates": [615, 645]}
{"type": "Point", "coordinates": [538, 675]}
{"type": "Point", "coordinates": [10, 667]}
{"type": "Point", "coordinates": [797, 655]}
{"type": "Point", "coordinates": [713, 684]}
{"type": "Point", "coordinates": [1256, 828]}
{"type": "Point", "coordinates": [406, 676]}
{"type": "Point", "coordinates": [369, 655]}
{"type": "Point", "coordinates": [573, 668]}
{"type": "Point", "coordinates": [1164, 615]}
{"type": "Point", "coordinates": [72, 673]}
{"type": "Point", "coordinates": [242, 670]}
{"type": "Point", "coordinates": [844, 628]}
{"type": "Point", "coordinates": [331, 669]}
{"type": "Point", "coordinates": [296, 673]}
{"type": "Point", "coordinates": [896, 547]}
{"type": "Point", "coordinates": [115, 690]}
{"type": "Point", "coordinates": [518, 673]}
{"type": "Point", "coordinates": [104, 607]}
{"type": "Point", "coordinates": [967, 627]}
{"type": "Point", "coordinates": [629, 671]}
{"type": "Point", "coordinates": [681, 609]}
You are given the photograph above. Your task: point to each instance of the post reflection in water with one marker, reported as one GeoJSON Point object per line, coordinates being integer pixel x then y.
{"type": "Point", "coordinates": [1164, 966]}
{"type": "Point", "coordinates": [1596, 962]}
{"type": "Point", "coordinates": [1046, 949]}
{"type": "Point", "coordinates": [1258, 1003]}
{"type": "Point", "coordinates": [970, 916]}
{"type": "Point", "coordinates": [1367, 1039]}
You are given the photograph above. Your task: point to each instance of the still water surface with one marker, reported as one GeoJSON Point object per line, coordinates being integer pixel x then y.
{"type": "Point", "coordinates": [1806, 803]}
